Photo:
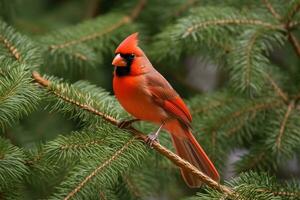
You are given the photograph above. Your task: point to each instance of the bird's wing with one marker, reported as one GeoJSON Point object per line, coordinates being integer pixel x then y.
{"type": "Point", "coordinates": [166, 97]}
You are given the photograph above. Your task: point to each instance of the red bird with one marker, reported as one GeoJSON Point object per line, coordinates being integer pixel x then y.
{"type": "Point", "coordinates": [147, 95]}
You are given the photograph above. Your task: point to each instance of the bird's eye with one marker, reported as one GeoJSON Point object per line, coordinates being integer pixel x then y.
{"type": "Point", "coordinates": [128, 56]}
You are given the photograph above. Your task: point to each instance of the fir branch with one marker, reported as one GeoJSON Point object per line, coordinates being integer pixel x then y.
{"type": "Point", "coordinates": [213, 105]}
{"type": "Point", "coordinates": [277, 89]}
{"type": "Point", "coordinates": [81, 56]}
{"type": "Point", "coordinates": [18, 47]}
{"type": "Point", "coordinates": [271, 9]}
{"type": "Point", "coordinates": [223, 22]}
{"type": "Point", "coordinates": [283, 124]}
{"type": "Point", "coordinates": [245, 110]}
{"type": "Point", "coordinates": [18, 96]}
{"type": "Point", "coordinates": [133, 189]}
{"type": "Point", "coordinates": [293, 24]}
{"type": "Point", "coordinates": [295, 43]}
{"type": "Point", "coordinates": [256, 159]}
{"type": "Point", "coordinates": [123, 21]}
{"type": "Point", "coordinates": [102, 196]}
{"type": "Point", "coordinates": [99, 168]}
{"type": "Point", "coordinates": [293, 10]}
{"type": "Point", "coordinates": [12, 49]}
{"type": "Point", "coordinates": [249, 62]}
{"type": "Point", "coordinates": [291, 37]}
{"type": "Point", "coordinates": [251, 186]}
{"type": "Point", "coordinates": [281, 193]}
{"type": "Point", "coordinates": [139, 135]}
{"type": "Point", "coordinates": [12, 167]}
{"type": "Point", "coordinates": [249, 50]}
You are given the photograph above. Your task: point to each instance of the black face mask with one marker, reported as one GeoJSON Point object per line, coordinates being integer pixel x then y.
{"type": "Point", "coordinates": [123, 71]}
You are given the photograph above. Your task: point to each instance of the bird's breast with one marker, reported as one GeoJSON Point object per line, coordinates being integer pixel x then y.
{"type": "Point", "coordinates": [133, 95]}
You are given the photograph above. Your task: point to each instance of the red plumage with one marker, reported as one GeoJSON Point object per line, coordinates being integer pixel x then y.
{"type": "Point", "coordinates": [147, 95]}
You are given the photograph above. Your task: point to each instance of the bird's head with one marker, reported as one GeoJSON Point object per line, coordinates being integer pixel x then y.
{"type": "Point", "coordinates": [127, 51]}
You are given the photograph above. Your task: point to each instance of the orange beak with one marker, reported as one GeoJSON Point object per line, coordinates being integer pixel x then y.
{"type": "Point", "coordinates": [119, 61]}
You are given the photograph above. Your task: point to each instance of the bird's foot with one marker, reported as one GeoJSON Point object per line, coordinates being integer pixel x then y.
{"type": "Point", "coordinates": [126, 123]}
{"type": "Point", "coordinates": [151, 138]}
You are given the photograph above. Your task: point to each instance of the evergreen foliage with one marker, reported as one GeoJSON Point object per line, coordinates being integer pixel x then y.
{"type": "Point", "coordinates": [87, 156]}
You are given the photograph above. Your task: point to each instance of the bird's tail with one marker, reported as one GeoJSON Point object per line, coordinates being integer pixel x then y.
{"type": "Point", "coordinates": [189, 149]}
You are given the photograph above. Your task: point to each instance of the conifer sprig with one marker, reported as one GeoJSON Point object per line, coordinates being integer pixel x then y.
{"type": "Point", "coordinates": [76, 50]}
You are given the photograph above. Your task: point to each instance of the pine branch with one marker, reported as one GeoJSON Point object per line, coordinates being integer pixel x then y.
{"type": "Point", "coordinates": [295, 43]}
{"type": "Point", "coordinates": [289, 26]}
{"type": "Point", "coordinates": [249, 63]}
{"type": "Point", "coordinates": [12, 167]}
{"type": "Point", "coordinates": [209, 28]}
{"type": "Point", "coordinates": [244, 111]}
{"type": "Point", "coordinates": [98, 169]}
{"type": "Point", "coordinates": [281, 193]}
{"type": "Point", "coordinates": [79, 48]}
{"type": "Point", "coordinates": [162, 150]}
{"type": "Point", "coordinates": [293, 10]}
{"type": "Point", "coordinates": [277, 89]}
{"type": "Point", "coordinates": [223, 22]}
{"type": "Point", "coordinates": [123, 21]}
{"type": "Point", "coordinates": [252, 186]}
{"type": "Point", "coordinates": [271, 9]}
{"type": "Point", "coordinates": [283, 124]}
{"type": "Point", "coordinates": [12, 49]}
{"type": "Point", "coordinates": [17, 47]}
{"type": "Point", "coordinates": [18, 96]}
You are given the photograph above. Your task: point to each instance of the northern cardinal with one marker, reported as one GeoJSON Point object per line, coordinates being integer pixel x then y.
{"type": "Point", "coordinates": [147, 95]}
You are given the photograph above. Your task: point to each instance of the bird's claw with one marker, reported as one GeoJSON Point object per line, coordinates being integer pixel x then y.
{"type": "Point", "coordinates": [150, 139]}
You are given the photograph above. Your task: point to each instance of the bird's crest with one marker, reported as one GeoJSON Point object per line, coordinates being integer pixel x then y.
{"type": "Point", "coordinates": [130, 45]}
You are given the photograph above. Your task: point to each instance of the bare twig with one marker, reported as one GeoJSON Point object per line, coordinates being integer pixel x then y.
{"type": "Point", "coordinates": [158, 147]}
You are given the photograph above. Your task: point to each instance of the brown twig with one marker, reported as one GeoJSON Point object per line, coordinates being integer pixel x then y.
{"type": "Point", "coordinates": [12, 49]}
{"type": "Point", "coordinates": [254, 108]}
{"type": "Point", "coordinates": [211, 106]}
{"type": "Point", "coordinates": [271, 9]}
{"type": "Point", "coordinates": [124, 20]}
{"type": "Point", "coordinates": [283, 124]}
{"type": "Point", "coordinates": [277, 89]}
{"type": "Point", "coordinates": [223, 22]}
{"type": "Point", "coordinates": [132, 188]}
{"type": "Point", "coordinates": [98, 169]}
{"type": "Point", "coordinates": [281, 193]}
{"type": "Point", "coordinates": [289, 25]}
{"type": "Point", "coordinates": [295, 43]}
{"type": "Point", "coordinates": [293, 24]}
{"type": "Point", "coordinates": [249, 50]}
{"type": "Point", "coordinates": [158, 147]}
